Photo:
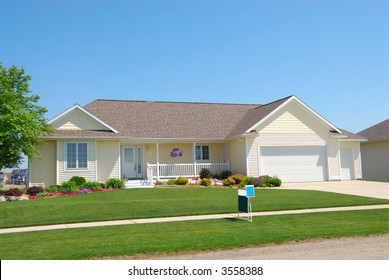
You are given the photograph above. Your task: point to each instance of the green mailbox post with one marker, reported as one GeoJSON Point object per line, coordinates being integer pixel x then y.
{"type": "Point", "coordinates": [244, 202]}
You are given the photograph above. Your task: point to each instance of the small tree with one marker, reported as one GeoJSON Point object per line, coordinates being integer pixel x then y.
{"type": "Point", "coordinates": [22, 120]}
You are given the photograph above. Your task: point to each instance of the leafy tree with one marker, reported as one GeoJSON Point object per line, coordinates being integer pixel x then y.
{"type": "Point", "coordinates": [22, 120]}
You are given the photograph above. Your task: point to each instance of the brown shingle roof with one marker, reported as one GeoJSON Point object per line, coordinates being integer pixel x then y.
{"type": "Point", "coordinates": [377, 133]}
{"type": "Point", "coordinates": [352, 136]}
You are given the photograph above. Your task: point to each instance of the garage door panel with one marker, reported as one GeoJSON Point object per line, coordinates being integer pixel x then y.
{"type": "Point", "coordinates": [294, 164]}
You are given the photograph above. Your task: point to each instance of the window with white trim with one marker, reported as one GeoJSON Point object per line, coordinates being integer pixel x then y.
{"type": "Point", "coordinates": [76, 155]}
{"type": "Point", "coordinates": [202, 152]}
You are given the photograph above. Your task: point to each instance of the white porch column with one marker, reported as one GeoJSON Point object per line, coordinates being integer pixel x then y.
{"type": "Point", "coordinates": [157, 161]}
{"type": "Point", "coordinates": [194, 159]}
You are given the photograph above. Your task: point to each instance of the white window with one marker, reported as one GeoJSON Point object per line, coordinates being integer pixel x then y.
{"type": "Point", "coordinates": [202, 152]}
{"type": "Point", "coordinates": [76, 155]}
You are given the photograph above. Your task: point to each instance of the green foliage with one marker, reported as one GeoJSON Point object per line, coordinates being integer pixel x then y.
{"type": "Point", "coordinates": [79, 181]}
{"type": "Point", "coordinates": [247, 181]}
{"type": "Point", "coordinates": [52, 188]}
{"type": "Point", "coordinates": [158, 183]}
{"type": "Point", "coordinates": [228, 182]}
{"type": "Point", "coordinates": [34, 190]}
{"type": "Point", "coordinates": [115, 183]}
{"type": "Point", "coordinates": [14, 192]}
{"type": "Point", "coordinates": [205, 173]}
{"type": "Point", "coordinates": [41, 194]}
{"type": "Point", "coordinates": [93, 186]}
{"type": "Point", "coordinates": [22, 120]}
{"type": "Point", "coordinates": [171, 182]}
{"type": "Point", "coordinates": [238, 178]}
{"type": "Point", "coordinates": [67, 187]}
{"type": "Point", "coordinates": [275, 182]}
{"type": "Point", "coordinates": [225, 174]}
{"type": "Point", "coordinates": [205, 182]}
{"type": "Point", "coordinates": [182, 181]}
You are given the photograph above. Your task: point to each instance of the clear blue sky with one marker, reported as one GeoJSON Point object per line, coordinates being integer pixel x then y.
{"type": "Point", "coordinates": [334, 55]}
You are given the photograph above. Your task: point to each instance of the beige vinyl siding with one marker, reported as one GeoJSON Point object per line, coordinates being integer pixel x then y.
{"type": "Point", "coordinates": [108, 158]}
{"type": "Point", "coordinates": [43, 171]}
{"type": "Point", "coordinates": [356, 152]}
{"type": "Point", "coordinates": [375, 161]}
{"type": "Point", "coordinates": [253, 157]}
{"type": "Point", "coordinates": [65, 174]}
{"type": "Point", "coordinates": [237, 156]}
{"type": "Point", "coordinates": [77, 120]}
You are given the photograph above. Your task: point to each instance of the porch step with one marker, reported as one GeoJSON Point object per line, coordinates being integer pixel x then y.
{"type": "Point", "coordinates": [137, 184]}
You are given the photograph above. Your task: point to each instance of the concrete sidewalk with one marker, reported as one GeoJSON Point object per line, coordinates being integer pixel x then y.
{"type": "Point", "coordinates": [187, 218]}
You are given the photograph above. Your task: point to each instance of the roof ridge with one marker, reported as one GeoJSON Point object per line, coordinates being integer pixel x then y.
{"type": "Point", "coordinates": [175, 102]}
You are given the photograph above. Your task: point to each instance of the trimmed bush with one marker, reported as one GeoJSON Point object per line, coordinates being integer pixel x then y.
{"type": "Point", "coordinates": [205, 173]}
{"type": "Point", "coordinates": [246, 181]}
{"type": "Point", "coordinates": [205, 182]}
{"type": "Point", "coordinates": [225, 174]}
{"type": "Point", "coordinates": [228, 182]}
{"type": "Point", "coordinates": [34, 190]}
{"type": "Point", "coordinates": [275, 182]}
{"type": "Point", "coordinates": [114, 183]}
{"type": "Point", "coordinates": [52, 188]}
{"type": "Point", "coordinates": [69, 186]}
{"type": "Point", "coordinates": [171, 182]}
{"type": "Point", "coordinates": [79, 181]}
{"type": "Point", "coordinates": [93, 186]}
{"type": "Point", "coordinates": [182, 181]}
{"type": "Point", "coordinates": [238, 178]}
{"type": "Point", "coordinates": [14, 192]}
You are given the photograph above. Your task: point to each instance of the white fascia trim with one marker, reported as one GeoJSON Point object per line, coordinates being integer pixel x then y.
{"type": "Point", "coordinates": [353, 140]}
{"type": "Point", "coordinates": [301, 103]}
{"type": "Point", "coordinates": [76, 106]}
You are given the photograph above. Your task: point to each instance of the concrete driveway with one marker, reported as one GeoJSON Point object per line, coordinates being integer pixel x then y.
{"type": "Point", "coordinates": [354, 187]}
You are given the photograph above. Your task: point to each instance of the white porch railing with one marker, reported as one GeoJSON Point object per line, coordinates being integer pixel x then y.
{"type": "Point", "coordinates": [157, 171]}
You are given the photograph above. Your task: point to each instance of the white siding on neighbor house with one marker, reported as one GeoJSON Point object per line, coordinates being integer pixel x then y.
{"type": "Point", "coordinates": [64, 174]}
{"type": "Point", "coordinates": [108, 158]}
{"type": "Point", "coordinates": [356, 154]}
{"type": "Point", "coordinates": [375, 161]}
{"type": "Point", "coordinates": [77, 120]}
{"type": "Point", "coordinates": [42, 170]}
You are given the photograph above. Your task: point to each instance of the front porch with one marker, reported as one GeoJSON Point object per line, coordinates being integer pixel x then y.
{"type": "Point", "coordinates": [161, 171]}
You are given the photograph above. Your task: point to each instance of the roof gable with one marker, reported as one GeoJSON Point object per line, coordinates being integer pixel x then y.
{"type": "Point", "coordinates": [77, 118]}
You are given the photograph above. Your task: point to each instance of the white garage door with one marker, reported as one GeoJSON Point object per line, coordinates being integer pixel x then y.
{"type": "Point", "coordinates": [294, 164]}
{"type": "Point", "coordinates": [346, 163]}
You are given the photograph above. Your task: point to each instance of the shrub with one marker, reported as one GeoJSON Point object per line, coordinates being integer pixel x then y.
{"type": "Point", "coordinates": [115, 183]}
{"type": "Point", "coordinates": [205, 182]}
{"type": "Point", "coordinates": [205, 173]}
{"type": "Point", "coordinates": [182, 181]}
{"type": "Point", "coordinates": [69, 186]}
{"type": "Point", "coordinates": [238, 178]}
{"type": "Point", "coordinates": [41, 194]}
{"type": "Point", "coordinates": [257, 182]}
{"type": "Point", "coordinates": [52, 188]}
{"type": "Point", "coordinates": [34, 190]}
{"type": "Point", "coordinates": [171, 182]}
{"type": "Point", "coordinates": [246, 181]}
{"type": "Point", "coordinates": [14, 192]}
{"type": "Point", "coordinates": [93, 186]}
{"type": "Point", "coordinates": [158, 183]}
{"type": "Point", "coordinates": [79, 181]}
{"type": "Point", "coordinates": [267, 181]}
{"type": "Point", "coordinates": [225, 174]}
{"type": "Point", "coordinates": [275, 182]}
{"type": "Point", "coordinates": [228, 182]}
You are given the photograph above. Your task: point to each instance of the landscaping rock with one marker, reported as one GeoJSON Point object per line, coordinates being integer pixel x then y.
{"type": "Point", "coordinates": [22, 198]}
{"type": "Point", "coordinates": [2, 199]}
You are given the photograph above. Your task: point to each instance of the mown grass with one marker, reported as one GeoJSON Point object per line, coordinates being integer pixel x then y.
{"type": "Point", "coordinates": [147, 203]}
{"type": "Point", "coordinates": [174, 237]}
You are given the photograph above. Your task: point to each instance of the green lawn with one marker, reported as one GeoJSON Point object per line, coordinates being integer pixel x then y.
{"type": "Point", "coordinates": [159, 238]}
{"type": "Point", "coordinates": [160, 202]}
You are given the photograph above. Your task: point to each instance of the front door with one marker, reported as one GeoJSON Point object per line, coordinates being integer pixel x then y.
{"type": "Point", "coordinates": [132, 162]}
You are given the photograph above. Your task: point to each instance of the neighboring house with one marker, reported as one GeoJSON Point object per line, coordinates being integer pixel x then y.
{"type": "Point", "coordinates": [19, 177]}
{"type": "Point", "coordinates": [152, 140]}
{"type": "Point", "coordinates": [3, 178]}
{"type": "Point", "coordinates": [375, 152]}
